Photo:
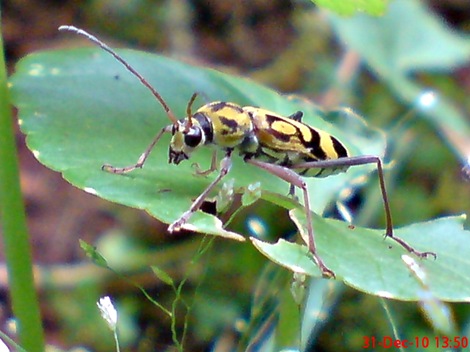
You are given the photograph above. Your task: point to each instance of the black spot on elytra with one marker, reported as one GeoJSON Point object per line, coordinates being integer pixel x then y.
{"type": "Point", "coordinates": [279, 135]}
{"type": "Point", "coordinates": [314, 145]}
{"type": "Point", "coordinates": [339, 148]}
{"type": "Point", "coordinates": [271, 119]}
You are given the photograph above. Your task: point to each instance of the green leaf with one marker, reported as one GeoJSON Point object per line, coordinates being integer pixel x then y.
{"type": "Point", "coordinates": [363, 259]}
{"type": "Point", "coordinates": [408, 38]}
{"type": "Point", "coordinates": [162, 275]}
{"type": "Point", "coordinates": [349, 7]}
{"type": "Point", "coordinates": [81, 109]}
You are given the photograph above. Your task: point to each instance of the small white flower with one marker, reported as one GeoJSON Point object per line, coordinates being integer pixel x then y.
{"type": "Point", "coordinates": [3, 347]}
{"type": "Point", "coordinates": [108, 312]}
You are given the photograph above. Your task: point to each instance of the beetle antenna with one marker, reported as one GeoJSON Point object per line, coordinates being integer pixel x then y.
{"type": "Point", "coordinates": [188, 111]}
{"type": "Point", "coordinates": [105, 47]}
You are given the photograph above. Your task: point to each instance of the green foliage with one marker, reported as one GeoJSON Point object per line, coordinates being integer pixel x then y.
{"type": "Point", "coordinates": [350, 7]}
{"type": "Point", "coordinates": [365, 261]}
{"type": "Point", "coordinates": [80, 109]}
{"type": "Point", "coordinates": [407, 40]}
{"type": "Point", "coordinates": [66, 98]}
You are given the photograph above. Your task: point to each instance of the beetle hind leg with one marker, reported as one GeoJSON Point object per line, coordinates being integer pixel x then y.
{"type": "Point", "coordinates": [296, 181]}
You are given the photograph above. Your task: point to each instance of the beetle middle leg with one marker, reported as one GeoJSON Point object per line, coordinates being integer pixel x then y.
{"type": "Point", "coordinates": [225, 166]}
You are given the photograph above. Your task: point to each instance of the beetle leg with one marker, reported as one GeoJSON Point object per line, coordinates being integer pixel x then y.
{"type": "Point", "coordinates": [199, 172]}
{"type": "Point", "coordinates": [225, 165]}
{"type": "Point", "coordinates": [363, 160]}
{"type": "Point", "coordinates": [297, 181]}
{"type": "Point", "coordinates": [143, 157]}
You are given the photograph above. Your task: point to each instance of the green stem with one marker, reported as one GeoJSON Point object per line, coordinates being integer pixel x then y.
{"type": "Point", "coordinates": [116, 340]}
{"type": "Point", "coordinates": [392, 322]}
{"type": "Point", "coordinates": [15, 234]}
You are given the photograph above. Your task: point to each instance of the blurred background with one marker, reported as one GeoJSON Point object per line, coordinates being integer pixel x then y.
{"type": "Point", "coordinates": [291, 46]}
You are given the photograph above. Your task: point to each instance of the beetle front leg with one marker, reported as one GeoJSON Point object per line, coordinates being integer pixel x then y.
{"type": "Point", "coordinates": [143, 157]}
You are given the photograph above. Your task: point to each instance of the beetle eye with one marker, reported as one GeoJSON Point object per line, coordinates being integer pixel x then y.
{"type": "Point", "coordinates": [193, 137]}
